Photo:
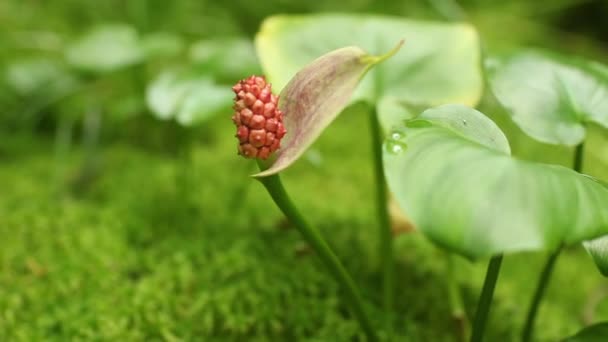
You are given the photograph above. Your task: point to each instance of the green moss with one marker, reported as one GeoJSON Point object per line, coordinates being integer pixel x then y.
{"type": "Point", "coordinates": [159, 248]}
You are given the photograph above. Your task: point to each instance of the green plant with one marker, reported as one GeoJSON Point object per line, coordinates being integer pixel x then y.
{"type": "Point", "coordinates": [170, 241]}
{"type": "Point", "coordinates": [453, 171]}
{"type": "Point", "coordinates": [553, 99]}
{"type": "Point", "coordinates": [313, 98]}
{"type": "Point", "coordinates": [467, 194]}
{"type": "Point", "coordinates": [441, 64]}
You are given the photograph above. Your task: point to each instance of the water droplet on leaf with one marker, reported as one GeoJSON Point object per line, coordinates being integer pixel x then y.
{"type": "Point", "coordinates": [395, 147]}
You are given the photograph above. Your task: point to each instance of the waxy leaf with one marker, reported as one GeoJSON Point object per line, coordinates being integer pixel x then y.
{"type": "Point", "coordinates": [440, 65]}
{"type": "Point", "coordinates": [186, 97]}
{"type": "Point", "coordinates": [594, 333]}
{"type": "Point", "coordinates": [549, 98]}
{"type": "Point", "coordinates": [451, 170]}
{"type": "Point", "coordinates": [106, 48]}
{"type": "Point", "coordinates": [392, 113]}
{"type": "Point", "coordinates": [315, 96]}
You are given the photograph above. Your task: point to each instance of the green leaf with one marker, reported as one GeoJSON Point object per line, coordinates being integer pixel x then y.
{"type": "Point", "coordinates": [316, 95]}
{"type": "Point", "coordinates": [549, 97]}
{"type": "Point", "coordinates": [204, 99]}
{"type": "Point", "coordinates": [392, 112]}
{"type": "Point", "coordinates": [594, 333]}
{"type": "Point", "coordinates": [106, 48]}
{"type": "Point", "coordinates": [598, 249]}
{"type": "Point", "coordinates": [440, 65]}
{"type": "Point", "coordinates": [228, 58]}
{"type": "Point", "coordinates": [32, 75]}
{"type": "Point", "coordinates": [186, 97]}
{"type": "Point", "coordinates": [451, 171]}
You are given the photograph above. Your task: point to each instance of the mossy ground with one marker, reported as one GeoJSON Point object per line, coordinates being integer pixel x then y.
{"type": "Point", "coordinates": [156, 247]}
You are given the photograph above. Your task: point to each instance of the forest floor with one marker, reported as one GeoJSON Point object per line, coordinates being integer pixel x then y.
{"type": "Point", "coordinates": [145, 245]}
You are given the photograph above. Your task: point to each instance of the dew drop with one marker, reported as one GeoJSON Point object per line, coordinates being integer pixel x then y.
{"type": "Point", "coordinates": [396, 136]}
{"type": "Point", "coordinates": [395, 147]}
{"type": "Point", "coordinates": [464, 122]}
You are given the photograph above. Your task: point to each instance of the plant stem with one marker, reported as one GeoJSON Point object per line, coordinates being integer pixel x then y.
{"type": "Point", "coordinates": [483, 307]}
{"type": "Point", "coordinates": [577, 164]}
{"type": "Point", "coordinates": [384, 226]}
{"type": "Point", "coordinates": [276, 190]}
{"type": "Point", "coordinates": [538, 295]}
{"type": "Point", "coordinates": [545, 276]}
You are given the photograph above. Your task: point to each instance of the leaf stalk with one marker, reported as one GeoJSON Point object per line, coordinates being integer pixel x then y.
{"type": "Point", "coordinates": [276, 190]}
{"type": "Point", "coordinates": [485, 300]}
{"type": "Point", "coordinates": [545, 276]}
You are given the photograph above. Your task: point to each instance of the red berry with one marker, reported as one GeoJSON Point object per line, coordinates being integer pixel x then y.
{"type": "Point", "coordinates": [257, 137]}
{"type": "Point", "coordinates": [242, 133]}
{"type": "Point", "coordinates": [258, 119]}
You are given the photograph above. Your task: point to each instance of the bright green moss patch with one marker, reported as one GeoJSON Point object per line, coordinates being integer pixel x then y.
{"type": "Point", "coordinates": [161, 249]}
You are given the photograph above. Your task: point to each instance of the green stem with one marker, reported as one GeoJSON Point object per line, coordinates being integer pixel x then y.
{"type": "Point", "coordinates": [483, 307]}
{"type": "Point", "coordinates": [538, 296]}
{"type": "Point", "coordinates": [276, 190]}
{"type": "Point", "coordinates": [384, 232]}
{"type": "Point", "coordinates": [577, 164]}
{"type": "Point", "coordinates": [527, 333]}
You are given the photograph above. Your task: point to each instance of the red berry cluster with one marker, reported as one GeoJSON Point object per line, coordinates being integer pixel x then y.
{"type": "Point", "coordinates": [257, 117]}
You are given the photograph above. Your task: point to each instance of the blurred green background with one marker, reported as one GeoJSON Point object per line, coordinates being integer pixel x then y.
{"type": "Point", "coordinates": [126, 215]}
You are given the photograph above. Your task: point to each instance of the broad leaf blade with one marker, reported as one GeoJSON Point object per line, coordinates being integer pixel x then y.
{"type": "Point", "coordinates": [315, 96]}
{"type": "Point", "coordinates": [460, 186]}
{"type": "Point", "coordinates": [106, 48]}
{"type": "Point", "coordinates": [594, 333]}
{"type": "Point", "coordinates": [226, 58]}
{"type": "Point", "coordinates": [187, 97]}
{"type": "Point", "coordinates": [440, 65]}
{"type": "Point", "coordinates": [204, 99]}
{"type": "Point", "coordinates": [549, 99]}
{"type": "Point", "coordinates": [393, 112]}
{"type": "Point", "coordinates": [165, 94]}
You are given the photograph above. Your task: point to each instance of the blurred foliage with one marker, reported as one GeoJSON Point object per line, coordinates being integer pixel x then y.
{"type": "Point", "coordinates": [552, 98]}
{"type": "Point", "coordinates": [117, 226]}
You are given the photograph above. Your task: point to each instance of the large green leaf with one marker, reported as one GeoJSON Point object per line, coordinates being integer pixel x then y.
{"type": "Point", "coordinates": [549, 97]}
{"type": "Point", "coordinates": [316, 95]}
{"type": "Point", "coordinates": [187, 97]}
{"type": "Point", "coordinates": [106, 48]}
{"type": "Point", "coordinates": [594, 333]}
{"type": "Point", "coordinates": [227, 58]}
{"type": "Point", "coordinates": [451, 170]}
{"type": "Point", "coordinates": [440, 64]}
